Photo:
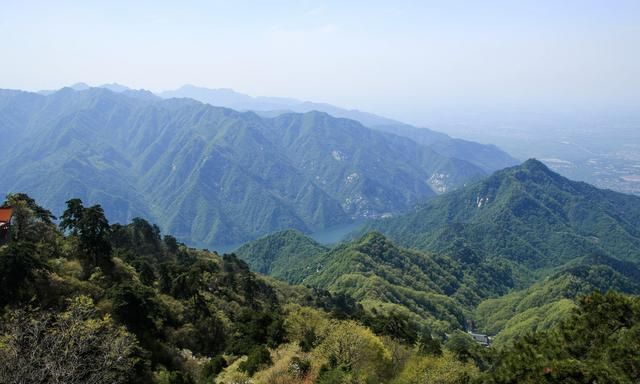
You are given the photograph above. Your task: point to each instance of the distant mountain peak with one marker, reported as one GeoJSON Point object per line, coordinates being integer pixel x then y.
{"type": "Point", "coordinates": [376, 245]}
{"type": "Point", "coordinates": [535, 165]}
{"type": "Point", "coordinates": [531, 172]}
{"type": "Point", "coordinates": [115, 87]}
{"type": "Point", "coordinates": [80, 86]}
{"type": "Point", "coordinates": [374, 237]}
{"type": "Point", "coordinates": [218, 90]}
{"type": "Point", "coordinates": [536, 172]}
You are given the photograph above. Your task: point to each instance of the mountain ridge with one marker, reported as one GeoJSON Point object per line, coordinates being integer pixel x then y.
{"type": "Point", "coordinates": [212, 175]}
{"type": "Point", "coordinates": [497, 213]}
{"type": "Point", "coordinates": [488, 157]}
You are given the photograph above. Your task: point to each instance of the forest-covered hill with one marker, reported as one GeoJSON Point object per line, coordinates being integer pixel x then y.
{"type": "Point", "coordinates": [525, 214]}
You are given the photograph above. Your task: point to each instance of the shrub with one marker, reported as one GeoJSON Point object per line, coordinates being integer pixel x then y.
{"type": "Point", "coordinates": [258, 358]}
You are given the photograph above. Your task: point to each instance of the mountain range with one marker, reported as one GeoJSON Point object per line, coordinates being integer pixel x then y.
{"type": "Point", "coordinates": [487, 157]}
{"type": "Point", "coordinates": [213, 175]}
{"type": "Point", "coordinates": [270, 106]}
{"type": "Point", "coordinates": [510, 252]}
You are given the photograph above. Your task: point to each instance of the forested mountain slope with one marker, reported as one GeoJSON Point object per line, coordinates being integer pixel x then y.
{"type": "Point", "coordinates": [526, 214]}
{"type": "Point", "coordinates": [87, 301]}
{"type": "Point", "coordinates": [287, 255]}
{"type": "Point", "coordinates": [212, 175]}
{"type": "Point", "coordinates": [439, 290]}
{"type": "Point", "coordinates": [488, 157]}
{"type": "Point", "coordinates": [512, 253]}
{"type": "Point", "coordinates": [550, 300]}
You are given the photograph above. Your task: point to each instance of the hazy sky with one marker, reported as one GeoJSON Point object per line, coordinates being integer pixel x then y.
{"type": "Point", "coordinates": [397, 58]}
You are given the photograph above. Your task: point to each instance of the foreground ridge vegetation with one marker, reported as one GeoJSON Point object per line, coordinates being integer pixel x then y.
{"type": "Point", "coordinates": [90, 301]}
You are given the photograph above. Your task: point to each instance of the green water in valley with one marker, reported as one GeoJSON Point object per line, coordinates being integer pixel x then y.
{"type": "Point", "coordinates": [326, 236]}
{"type": "Point", "coordinates": [335, 234]}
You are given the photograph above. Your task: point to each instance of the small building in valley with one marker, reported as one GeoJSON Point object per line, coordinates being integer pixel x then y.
{"type": "Point", "coordinates": [6, 214]}
{"type": "Point", "coordinates": [482, 339]}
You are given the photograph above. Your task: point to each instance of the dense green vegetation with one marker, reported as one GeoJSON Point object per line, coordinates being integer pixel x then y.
{"type": "Point", "coordinates": [90, 301]}
{"type": "Point", "coordinates": [97, 302]}
{"type": "Point", "coordinates": [487, 157]}
{"type": "Point", "coordinates": [432, 289]}
{"type": "Point", "coordinates": [388, 279]}
{"type": "Point", "coordinates": [211, 175]}
{"type": "Point", "coordinates": [568, 238]}
{"type": "Point", "coordinates": [468, 269]}
{"type": "Point", "coordinates": [598, 343]}
{"type": "Point", "coordinates": [375, 259]}
{"type": "Point", "coordinates": [526, 214]}
{"type": "Point", "coordinates": [439, 292]}
{"type": "Point", "coordinates": [152, 295]}
{"type": "Point", "coordinates": [549, 301]}
{"type": "Point", "coordinates": [287, 255]}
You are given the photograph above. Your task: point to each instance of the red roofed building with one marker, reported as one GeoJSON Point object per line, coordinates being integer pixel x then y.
{"type": "Point", "coordinates": [5, 223]}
